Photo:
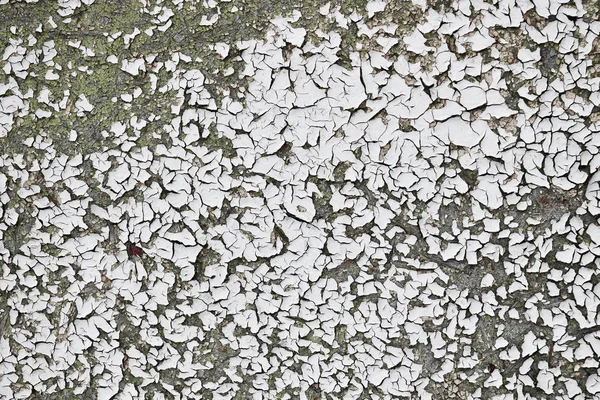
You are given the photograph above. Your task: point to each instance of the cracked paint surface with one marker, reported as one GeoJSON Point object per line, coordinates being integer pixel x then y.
{"type": "Point", "coordinates": [360, 199]}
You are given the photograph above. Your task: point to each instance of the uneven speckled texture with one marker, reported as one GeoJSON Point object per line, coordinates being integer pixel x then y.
{"type": "Point", "coordinates": [299, 200]}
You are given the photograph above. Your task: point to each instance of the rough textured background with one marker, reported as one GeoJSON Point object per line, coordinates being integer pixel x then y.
{"type": "Point", "coordinates": [298, 200]}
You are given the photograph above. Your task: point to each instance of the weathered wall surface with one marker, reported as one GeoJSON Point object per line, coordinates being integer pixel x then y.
{"type": "Point", "coordinates": [299, 200]}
